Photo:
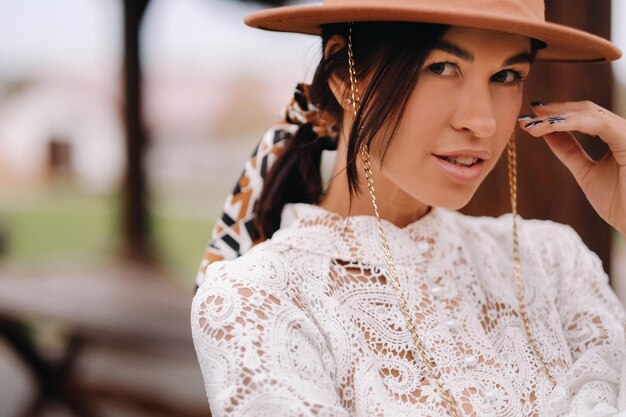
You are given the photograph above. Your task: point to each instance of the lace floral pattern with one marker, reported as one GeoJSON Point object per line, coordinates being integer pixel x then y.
{"type": "Point", "coordinates": [306, 324]}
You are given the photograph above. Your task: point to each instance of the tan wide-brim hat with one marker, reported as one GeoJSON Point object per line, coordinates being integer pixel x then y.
{"type": "Point", "coordinates": [520, 17]}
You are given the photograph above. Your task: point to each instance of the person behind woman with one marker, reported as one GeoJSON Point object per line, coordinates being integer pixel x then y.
{"type": "Point", "coordinates": [363, 292]}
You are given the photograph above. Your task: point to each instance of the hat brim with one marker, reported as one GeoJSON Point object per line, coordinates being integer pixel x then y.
{"type": "Point", "coordinates": [564, 44]}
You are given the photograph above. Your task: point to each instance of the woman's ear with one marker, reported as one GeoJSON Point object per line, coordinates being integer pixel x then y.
{"type": "Point", "coordinates": [340, 88]}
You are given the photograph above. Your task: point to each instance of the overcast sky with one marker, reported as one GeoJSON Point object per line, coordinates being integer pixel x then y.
{"type": "Point", "coordinates": [37, 35]}
{"type": "Point", "coordinates": [87, 33]}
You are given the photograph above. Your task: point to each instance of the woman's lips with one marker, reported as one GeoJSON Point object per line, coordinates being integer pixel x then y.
{"type": "Point", "coordinates": [474, 153]}
{"type": "Point", "coordinates": [459, 173]}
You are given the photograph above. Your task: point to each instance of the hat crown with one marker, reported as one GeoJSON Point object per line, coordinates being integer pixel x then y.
{"type": "Point", "coordinates": [533, 10]}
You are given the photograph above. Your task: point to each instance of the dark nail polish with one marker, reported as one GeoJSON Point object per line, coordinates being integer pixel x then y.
{"type": "Point", "coordinates": [537, 103]}
{"type": "Point", "coordinates": [558, 119]}
{"type": "Point", "coordinates": [531, 124]}
{"type": "Point", "coordinates": [525, 117]}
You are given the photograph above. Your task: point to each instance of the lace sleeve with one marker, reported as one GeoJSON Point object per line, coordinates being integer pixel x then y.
{"type": "Point", "coordinates": [259, 353]}
{"type": "Point", "coordinates": [593, 322]}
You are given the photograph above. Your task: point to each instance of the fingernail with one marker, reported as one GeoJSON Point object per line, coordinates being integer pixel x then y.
{"type": "Point", "coordinates": [537, 103]}
{"type": "Point", "coordinates": [531, 124]}
{"type": "Point", "coordinates": [558, 119]}
{"type": "Point", "coordinates": [525, 117]}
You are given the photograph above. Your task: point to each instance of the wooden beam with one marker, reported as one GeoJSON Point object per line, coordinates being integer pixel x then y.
{"type": "Point", "coordinates": [135, 219]}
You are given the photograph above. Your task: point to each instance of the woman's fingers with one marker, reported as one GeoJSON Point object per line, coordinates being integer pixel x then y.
{"type": "Point", "coordinates": [580, 117]}
{"type": "Point", "coordinates": [581, 121]}
{"type": "Point", "coordinates": [603, 181]}
{"type": "Point", "coordinates": [545, 109]}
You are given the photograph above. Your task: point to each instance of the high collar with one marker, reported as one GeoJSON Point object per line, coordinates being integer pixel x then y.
{"type": "Point", "coordinates": [356, 239]}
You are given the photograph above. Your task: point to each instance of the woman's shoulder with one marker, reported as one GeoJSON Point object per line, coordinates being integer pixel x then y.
{"type": "Point", "coordinates": [553, 255]}
{"type": "Point", "coordinates": [501, 227]}
{"type": "Point", "coordinates": [550, 240]}
{"type": "Point", "coordinates": [272, 266]}
{"type": "Point", "coordinates": [263, 259]}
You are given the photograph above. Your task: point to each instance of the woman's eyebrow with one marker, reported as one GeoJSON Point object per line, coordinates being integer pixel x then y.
{"type": "Point", "coordinates": [454, 49]}
{"type": "Point", "coordinates": [521, 58]}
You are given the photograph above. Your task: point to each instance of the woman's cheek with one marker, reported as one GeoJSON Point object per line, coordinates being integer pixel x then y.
{"type": "Point", "coordinates": [509, 101]}
{"type": "Point", "coordinates": [508, 105]}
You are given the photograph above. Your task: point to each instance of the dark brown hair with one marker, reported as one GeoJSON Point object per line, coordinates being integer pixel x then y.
{"type": "Point", "coordinates": [391, 56]}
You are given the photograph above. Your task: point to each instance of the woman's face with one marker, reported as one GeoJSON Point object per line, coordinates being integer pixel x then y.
{"type": "Point", "coordinates": [459, 117]}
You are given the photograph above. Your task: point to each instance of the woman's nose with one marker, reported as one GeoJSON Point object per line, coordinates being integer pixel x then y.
{"type": "Point", "coordinates": [475, 112]}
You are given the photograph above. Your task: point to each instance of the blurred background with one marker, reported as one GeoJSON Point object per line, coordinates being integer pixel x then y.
{"type": "Point", "coordinates": [123, 126]}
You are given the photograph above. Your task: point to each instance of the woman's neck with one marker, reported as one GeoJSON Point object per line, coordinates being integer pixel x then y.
{"type": "Point", "coordinates": [394, 205]}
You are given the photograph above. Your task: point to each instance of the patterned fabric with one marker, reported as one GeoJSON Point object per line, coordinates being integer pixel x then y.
{"type": "Point", "coordinates": [235, 232]}
{"type": "Point", "coordinates": [306, 324]}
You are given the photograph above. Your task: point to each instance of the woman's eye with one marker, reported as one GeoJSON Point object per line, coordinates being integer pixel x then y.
{"type": "Point", "coordinates": [442, 68]}
{"type": "Point", "coordinates": [507, 77]}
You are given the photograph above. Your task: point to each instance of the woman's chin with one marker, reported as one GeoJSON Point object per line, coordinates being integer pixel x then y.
{"type": "Point", "coordinates": [452, 202]}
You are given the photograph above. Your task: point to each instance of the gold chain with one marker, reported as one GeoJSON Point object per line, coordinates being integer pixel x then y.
{"type": "Point", "coordinates": [519, 287]}
{"type": "Point", "coordinates": [517, 269]}
{"type": "Point", "coordinates": [417, 341]}
{"type": "Point", "coordinates": [354, 86]}
{"type": "Point", "coordinates": [428, 362]}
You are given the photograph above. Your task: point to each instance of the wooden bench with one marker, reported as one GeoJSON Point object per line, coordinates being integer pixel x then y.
{"type": "Point", "coordinates": [125, 339]}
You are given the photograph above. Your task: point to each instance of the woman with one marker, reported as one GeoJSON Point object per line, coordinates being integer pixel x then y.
{"type": "Point", "coordinates": [365, 293]}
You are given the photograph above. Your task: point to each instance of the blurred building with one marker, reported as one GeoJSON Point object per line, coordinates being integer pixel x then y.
{"type": "Point", "coordinates": [208, 97]}
{"type": "Point", "coordinates": [65, 126]}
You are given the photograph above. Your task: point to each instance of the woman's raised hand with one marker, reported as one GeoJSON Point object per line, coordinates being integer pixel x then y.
{"type": "Point", "coordinates": [603, 181]}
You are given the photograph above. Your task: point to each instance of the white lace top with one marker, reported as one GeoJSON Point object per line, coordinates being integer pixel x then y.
{"type": "Point", "coordinates": [306, 324]}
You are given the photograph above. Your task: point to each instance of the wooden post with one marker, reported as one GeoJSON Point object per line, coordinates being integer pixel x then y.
{"type": "Point", "coordinates": [547, 190]}
{"type": "Point", "coordinates": [135, 212]}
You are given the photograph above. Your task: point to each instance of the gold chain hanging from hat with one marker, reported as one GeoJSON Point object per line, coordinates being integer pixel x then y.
{"type": "Point", "coordinates": [421, 349]}
{"type": "Point", "coordinates": [517, 270]}
{"type": "Point", "coordinates": [519, 287]}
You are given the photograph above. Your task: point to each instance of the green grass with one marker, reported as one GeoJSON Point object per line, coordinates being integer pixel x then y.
{"type": "Point", "coordinates": [59, 224]}
{"type": "Point", "coordinates": [180, 243]}
{"type": "Point", "coordinates": [65, 224]}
